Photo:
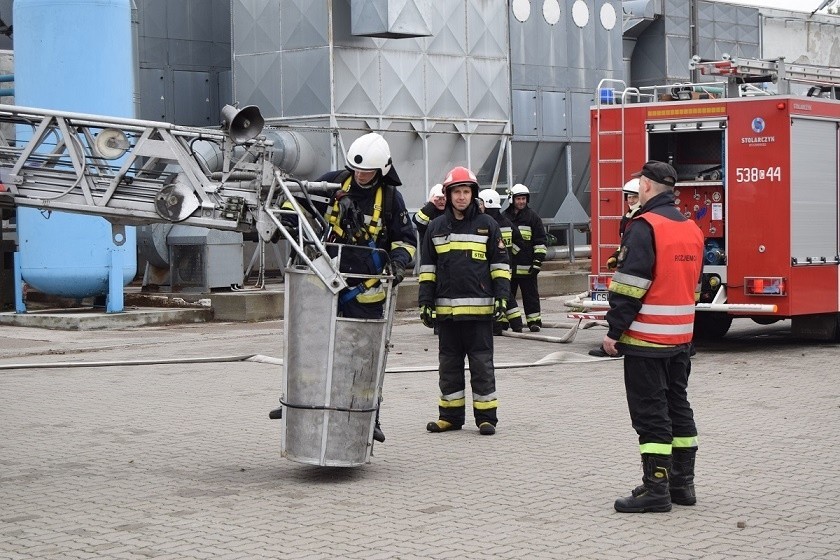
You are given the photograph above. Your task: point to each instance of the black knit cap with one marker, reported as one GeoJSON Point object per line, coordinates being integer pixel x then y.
{"type": "Point", "coordinates": [658, 171]}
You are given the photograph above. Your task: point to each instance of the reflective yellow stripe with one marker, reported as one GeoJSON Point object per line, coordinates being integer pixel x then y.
{"type": "Point", "coordinates": [465, 310]}
{"type": "Point", "coordinates": [655, 448]}
{"type": "Point", "coordinates": [372, 296]}
{"type": "Point", "coordinates": [403, 245]}
{"type": "Point", "coordinates": [627, 339]}
{"type": "Point", "coordinates": [456, 403]}
{"type": "Point", "coordinates": [684, 442]}
{"type": "Point", "coordinates": [427, 277]}
{"type": "Point", "coordinates": [626, 290]}
{"type": "Point", "coordinates": [485, 405]}
{"type": "Point", "coordinates": [460, 246]}
{"type": "Point", "coordinates": [631, 280]}
{"type": "Point", "coordinates": [507, 236]}
{"type": "Point", "coordinates": [494, 274]}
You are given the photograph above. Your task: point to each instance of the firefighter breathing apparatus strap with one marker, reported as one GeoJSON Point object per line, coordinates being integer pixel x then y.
{"type": "Point", "coordinates": [380, 216]}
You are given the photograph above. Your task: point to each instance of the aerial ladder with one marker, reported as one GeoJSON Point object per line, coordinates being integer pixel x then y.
{"type": "Point", "coordinates": [134, 172]}
{"type": "Point", "coordinates": [823, 81]}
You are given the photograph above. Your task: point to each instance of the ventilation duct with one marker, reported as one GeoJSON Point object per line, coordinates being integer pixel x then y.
{"type": "Point", "coordinates": [388, 19]}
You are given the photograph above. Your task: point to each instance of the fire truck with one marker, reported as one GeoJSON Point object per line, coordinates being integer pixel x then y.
{"type": "Point", "coordinates": [756, 155]}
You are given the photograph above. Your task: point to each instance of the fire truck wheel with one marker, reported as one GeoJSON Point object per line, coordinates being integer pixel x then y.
{"type": "Point", "coordinates": [711, 325]}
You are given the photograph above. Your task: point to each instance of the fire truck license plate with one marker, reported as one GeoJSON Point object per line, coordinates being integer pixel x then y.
{"type": "Point", "coordinates": [599, 296]}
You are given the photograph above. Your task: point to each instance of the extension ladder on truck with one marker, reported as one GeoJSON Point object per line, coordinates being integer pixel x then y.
{"type": "Point", "coordinates": [611, 172]}
{"type": "Point", "coordinates": [825, 80]}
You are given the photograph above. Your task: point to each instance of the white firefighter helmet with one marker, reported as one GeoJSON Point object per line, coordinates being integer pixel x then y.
{"type": "Point", "coordinates": [435, 192]}
{"type": "Point", "coordinates": [491, 198]}
{"type": "Point", "coordinates": [519, 189]}
{"type": "Point", "coordinates": [369, 152]}
{"type": "Point", "coordinates": [631, 186]}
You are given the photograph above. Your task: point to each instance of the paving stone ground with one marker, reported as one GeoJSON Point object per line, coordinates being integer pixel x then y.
{"type": "Point", "coordinates": [180, 461]}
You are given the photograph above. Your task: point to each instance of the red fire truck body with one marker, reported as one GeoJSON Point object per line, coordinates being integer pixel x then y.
{"type": "Point", "coordinates": [759, 176]}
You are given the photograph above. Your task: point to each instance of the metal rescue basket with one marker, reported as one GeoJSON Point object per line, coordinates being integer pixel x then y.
{"type": "Point", "coordinates": [333, 366]}
{"type": "Point", "coordinates": [333, 372]}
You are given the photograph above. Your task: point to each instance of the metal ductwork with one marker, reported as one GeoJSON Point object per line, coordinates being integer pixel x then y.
{"type": "Point", "coordinates": [388, 19]}
{"type": "Point", "coordinates": [292, 152]}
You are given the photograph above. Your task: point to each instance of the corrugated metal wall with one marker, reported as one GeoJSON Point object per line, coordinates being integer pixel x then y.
{"type": "Point", "coordinates": [559, 53]}
{"type": "Point", "coordinates": [473, 77]}
{"type": "Point", "coordinates": [185, 60]}
{"type": "Point", "coordinates": [440, 100]}
{"type": "Point", "coordinates": [683, 29]}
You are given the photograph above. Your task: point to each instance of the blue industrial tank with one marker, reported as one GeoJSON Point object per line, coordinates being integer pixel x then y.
{"type": "Point", "coordinates": [78, 56]}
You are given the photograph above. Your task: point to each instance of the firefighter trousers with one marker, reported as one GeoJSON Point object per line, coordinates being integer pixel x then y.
{"type": "Point", "coordinates": [473, 340]}
{"type": "Point", "coordinates": [657, 396]}
{"type": "Point", "coordinates": [530, 297]}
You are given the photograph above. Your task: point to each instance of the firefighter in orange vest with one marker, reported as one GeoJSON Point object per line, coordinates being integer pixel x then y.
{"type": "Point", "coordinates": [651, 320]}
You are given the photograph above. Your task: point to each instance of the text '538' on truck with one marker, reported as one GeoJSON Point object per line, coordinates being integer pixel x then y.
{"type": "Point", "coordinates": [757, 159]}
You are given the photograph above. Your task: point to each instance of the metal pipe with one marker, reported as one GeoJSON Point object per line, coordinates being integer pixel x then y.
{"type": "Point", "coordinates": [553, 252]}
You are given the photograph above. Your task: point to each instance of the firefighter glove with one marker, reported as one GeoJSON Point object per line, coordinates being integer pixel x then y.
{"type": "Point", "coordinates": [291, 225]}
{"type": "Point", "coordinates": [427, 315]}
{"type": "Point", "coordinates": [499, 309]}
{"type": "Point", "coordinates": [612, 262]}
{"type": "Point", "coordinates": [398, 270]}
{"type": "Point", "coordinates": [349, 216]}
{"type": "Point", "coordinates": [535, 267]}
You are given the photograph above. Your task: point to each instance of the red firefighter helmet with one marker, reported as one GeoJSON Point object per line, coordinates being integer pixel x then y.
{"type": "Point", "coordinates": [460, 176]}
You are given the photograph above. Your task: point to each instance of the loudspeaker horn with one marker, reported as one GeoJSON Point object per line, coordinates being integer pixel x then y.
{"type": "Point", "coordinates": [242, 124]}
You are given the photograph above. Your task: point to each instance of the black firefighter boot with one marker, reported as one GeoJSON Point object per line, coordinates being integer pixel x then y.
{"type": "Point", "coordinates": [681, 481]}
{"type": "Point", "coordinates": [655, 496]}
{"type": "Point", "coordinates": [682, 477]}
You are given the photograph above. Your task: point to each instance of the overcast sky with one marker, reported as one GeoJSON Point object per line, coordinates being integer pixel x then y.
{"type": "Point", "coordinates": [798, 5]}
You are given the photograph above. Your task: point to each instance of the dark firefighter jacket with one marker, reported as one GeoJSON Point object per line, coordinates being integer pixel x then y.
{"type": "Point", "coordinates": [532, 246]}
{"type": "Point", "coordinates": [510, 235]}
{"type": "Point", "coordinates": [464, 266]}
{"type": "Point", "coordinates": [425, 215]}
{"type": "Point", "coordinates": [358, 217]}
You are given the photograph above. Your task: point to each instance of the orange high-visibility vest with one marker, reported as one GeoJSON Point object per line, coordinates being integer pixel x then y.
{"type": "Point", "coordinates": [667, 313]}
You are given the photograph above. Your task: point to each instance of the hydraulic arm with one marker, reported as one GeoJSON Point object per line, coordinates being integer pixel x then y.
{"type": "Point", "coordinates": [134, 172]}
